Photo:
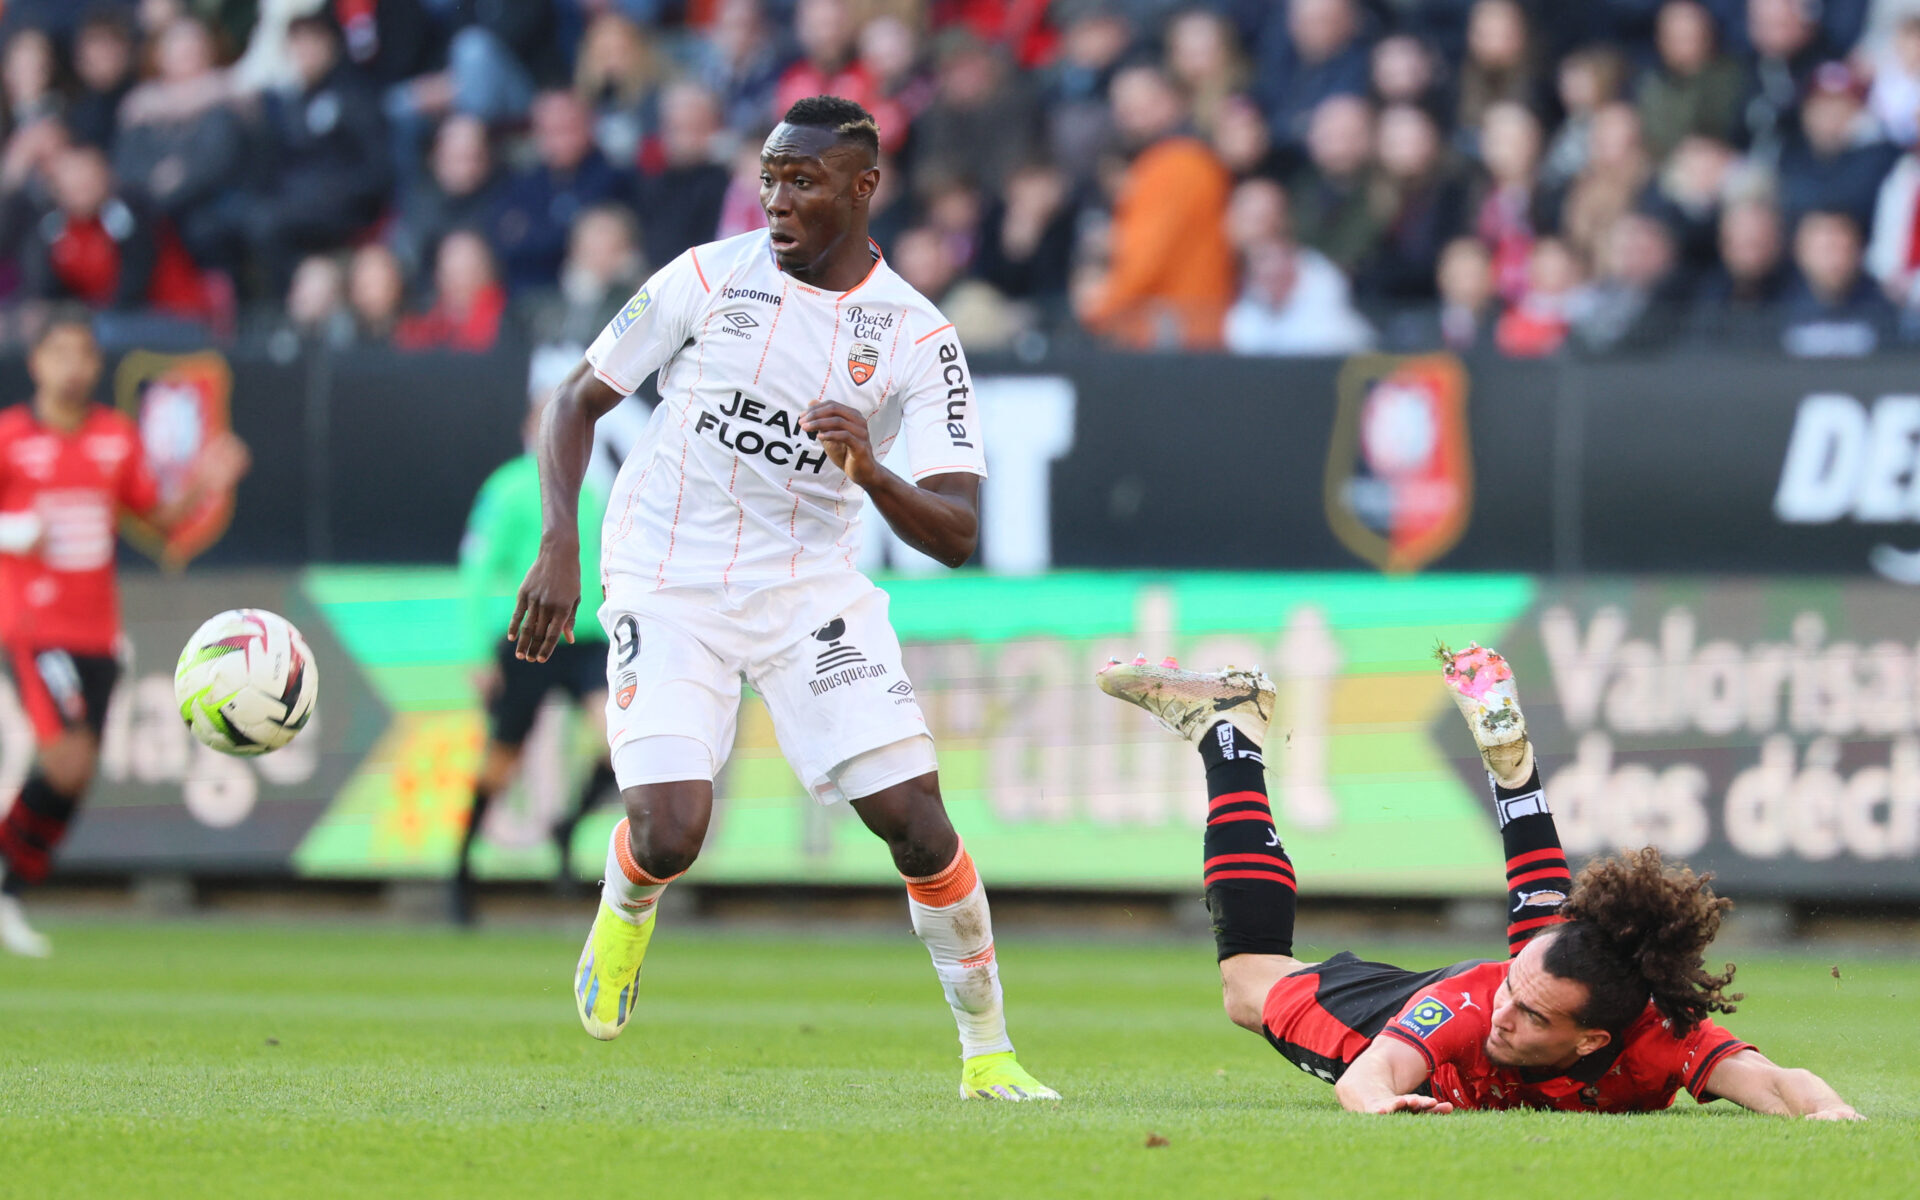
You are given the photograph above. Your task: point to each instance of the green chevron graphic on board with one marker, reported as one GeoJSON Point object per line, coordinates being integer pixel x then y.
{"type": "Point", "coordinates": [1051, 782]}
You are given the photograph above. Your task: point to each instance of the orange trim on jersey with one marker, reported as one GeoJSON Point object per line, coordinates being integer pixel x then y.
{"type": "Point", "coordinates": [877, 260]}
{"type": "Point", "coordinates": [833, 350]}
{"type": "Point", "coordinates": [695, 256]}
{"type": "Point", "coordinates": [771, 330]}
{"type": "Point", "coordinates": [942, 329]}
{"type": "Point", "coordinates": [613, 383]}
{"type": "Point", "coordinates": [946, 887]}
{"type": "Point", "coordinates": [961, 469]}
{"type": "Point", "coordinates": [793, 532]}
{"type": "Point", "coordinates": [740, 525]}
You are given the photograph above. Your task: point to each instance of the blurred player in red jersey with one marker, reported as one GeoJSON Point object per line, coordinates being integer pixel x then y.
{"type": "Point", "coordinates": [1603, 1005]}
{"type": "Point", "coordinates": [68, 469]}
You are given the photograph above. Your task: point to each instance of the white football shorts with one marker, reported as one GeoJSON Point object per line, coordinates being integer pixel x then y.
{"type": "Point", "coordinates": [821, 653]}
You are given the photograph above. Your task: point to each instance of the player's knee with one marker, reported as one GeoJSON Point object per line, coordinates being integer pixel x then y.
{"type": "Point", "coordinates": [68, 762]}
{"type": "Point", "coordinates": [1244, 985]}
{"type": "Point", "coordinates": [666, 830]}
{"type": "Point", "coordinates": [1243, 1010]}
{"type": "Point", "coordinates": [916, 829]}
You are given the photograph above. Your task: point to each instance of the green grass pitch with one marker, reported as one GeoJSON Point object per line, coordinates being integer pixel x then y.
{"type": "Point", "coordinates": [218, 1059]}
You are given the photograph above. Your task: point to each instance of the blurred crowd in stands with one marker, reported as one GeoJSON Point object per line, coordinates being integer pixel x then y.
{"type": "Point", "coordinates": [1526, 177]}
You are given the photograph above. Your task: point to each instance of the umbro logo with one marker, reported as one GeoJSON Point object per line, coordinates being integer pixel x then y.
{"type": "Point", "coordinates": [740, 320]}
{"type": "Point", "coordinates": [903, 688]}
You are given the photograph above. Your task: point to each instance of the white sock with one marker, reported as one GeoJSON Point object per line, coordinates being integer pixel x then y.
{"type": "Point", "coordinates": [629, 891]}
{"type": "Point", "coordinates": [950, 914]}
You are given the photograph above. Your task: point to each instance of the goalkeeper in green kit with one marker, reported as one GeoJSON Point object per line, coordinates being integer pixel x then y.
{"type": "Point", "coordinates": [501, 541]}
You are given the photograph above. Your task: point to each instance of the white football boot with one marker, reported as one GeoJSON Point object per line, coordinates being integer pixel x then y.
{"type": "Point", "coordinates": [1191, 702]}
{"type": "Point", "coordinates": [1482, 686]}
{"type": "Point", "coordinates": [16, 936]}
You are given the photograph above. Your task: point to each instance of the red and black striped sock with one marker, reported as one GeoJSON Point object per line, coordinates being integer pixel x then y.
{"type": "Point", "coordinates": [1248, 877]}
{"type": "Point", "coordinates": [1538, 879]}
{"type": "Point", "coordinates": [32, 829]}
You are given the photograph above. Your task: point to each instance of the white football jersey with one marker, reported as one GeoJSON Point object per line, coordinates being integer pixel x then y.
{"type": "Point", "coordinates": [724, 488]}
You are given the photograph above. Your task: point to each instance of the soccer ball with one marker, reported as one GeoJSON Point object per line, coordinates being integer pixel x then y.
{"type": "Point", "coordinates": [246, 682]}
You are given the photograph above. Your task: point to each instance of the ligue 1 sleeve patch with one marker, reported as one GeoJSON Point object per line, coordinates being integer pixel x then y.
{"type": "Point", "coordinates": [1425, 1017]}
{"type": "Point", "coordinates": [624, 319]}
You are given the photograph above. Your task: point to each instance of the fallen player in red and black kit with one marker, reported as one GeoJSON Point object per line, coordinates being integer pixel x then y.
{"type": "Point", "coordinates": [1603, 1005]}
{"type": "Point", "coordinates": [68, 469]}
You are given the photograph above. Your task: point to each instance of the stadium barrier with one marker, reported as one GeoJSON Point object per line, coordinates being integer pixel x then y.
{"type": "Point", "coordinates": [1765, 729]}
{"type": "Point", "coordinates": [1690, 464]}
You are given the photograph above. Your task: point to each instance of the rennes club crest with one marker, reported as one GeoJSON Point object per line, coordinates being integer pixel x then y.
{"type": "Point", "coordinates": [1399, 486]}
{"type": "Point", "coordinates": [180, 402]}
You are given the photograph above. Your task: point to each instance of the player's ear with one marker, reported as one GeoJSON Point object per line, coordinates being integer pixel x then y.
{"type": "Point", "coordinates": [865, 184]}
{"type": "Point", "coordinates": [1591, 1041]}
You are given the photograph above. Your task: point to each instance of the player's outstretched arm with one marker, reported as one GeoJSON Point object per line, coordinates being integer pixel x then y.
{"type": "Point", "coordinates": [550, 595]}
{"type": "Point", "coordinates": [1750, 1080]}
{"type": "Point", "coordinates": [1383, 1079]}
{"type": "Point", "coordinates": [939, 517]}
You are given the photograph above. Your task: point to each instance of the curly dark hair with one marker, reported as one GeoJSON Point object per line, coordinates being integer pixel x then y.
{"type": "Point", "coordinates": [1638, 928]}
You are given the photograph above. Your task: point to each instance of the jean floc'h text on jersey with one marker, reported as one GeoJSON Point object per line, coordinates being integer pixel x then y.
{"type": "Point", "coordinates": [781, 452]}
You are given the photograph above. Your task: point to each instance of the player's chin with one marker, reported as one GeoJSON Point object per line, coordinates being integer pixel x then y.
{"type": "Point", "coordinates": [1500, 1054]}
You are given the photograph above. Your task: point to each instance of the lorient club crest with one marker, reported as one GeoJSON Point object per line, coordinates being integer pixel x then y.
{"type": "Point", "coordinates": [1399, 489]}
{"type": "Point", "coordinates": [862, 360]}
{"type": "Point", "coordinates": [180, 402]}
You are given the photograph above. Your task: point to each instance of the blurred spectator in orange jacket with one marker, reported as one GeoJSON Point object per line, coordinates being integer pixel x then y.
{"type": "Point", "coordinates": [1170, 277]}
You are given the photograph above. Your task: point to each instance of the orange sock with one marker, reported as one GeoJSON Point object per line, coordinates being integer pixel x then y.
{"type": "Point", "coordinates": [951, 916]}
{"type": "Point", "coordinates": [629, 890]}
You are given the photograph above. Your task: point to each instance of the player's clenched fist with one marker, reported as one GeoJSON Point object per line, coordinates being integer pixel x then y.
{"type": "Point", "coordinates": [842, 432]}
{"type": "Point", "coordinates": [549, 598]}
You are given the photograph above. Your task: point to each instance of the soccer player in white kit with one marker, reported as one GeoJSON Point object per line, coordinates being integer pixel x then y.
{"type": "Point", "coordinates": [789, 361]}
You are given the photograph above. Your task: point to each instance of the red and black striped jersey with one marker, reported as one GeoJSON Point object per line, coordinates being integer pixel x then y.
{"type": "Point", "coordinates": [1640, 1071]}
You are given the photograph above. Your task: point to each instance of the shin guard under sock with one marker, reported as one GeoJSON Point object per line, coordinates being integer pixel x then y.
{"type": "Point", "coordinates": [1248, 877]}
{"type": "Point", "coordinates": [1538, 879]}
{"type": "Point", "coordinates": [32, 830]}
{"type": "Point", "coordinates": [627, 888]}
{"type": "Point", "coordinates": [950, 914]}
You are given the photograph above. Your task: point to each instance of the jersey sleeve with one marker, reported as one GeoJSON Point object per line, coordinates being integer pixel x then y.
{"type": "Point", "coordinates": [656, 322]}
{"type": "Point", "coordinates": [1705, 1048]}
{"type": "Point", "coordinates": [938, 411]}
{"type": "Point", "coordinates": [1440, 1030]}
